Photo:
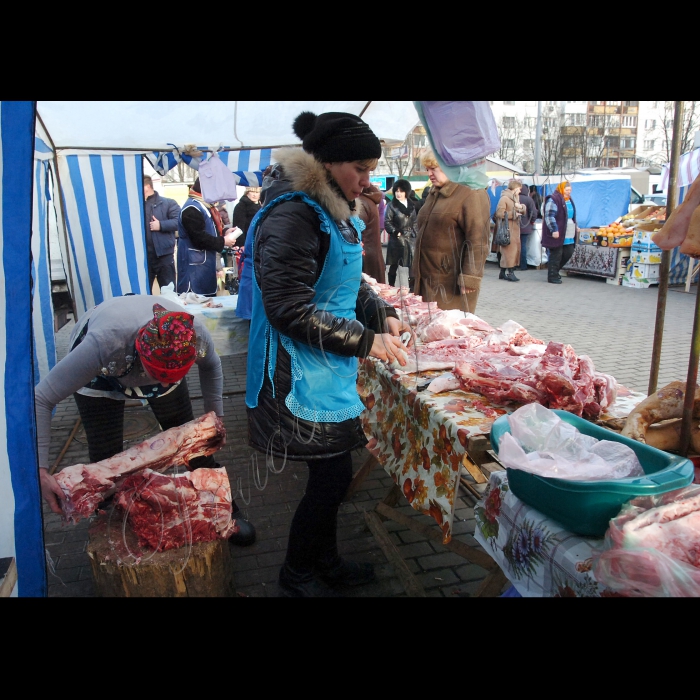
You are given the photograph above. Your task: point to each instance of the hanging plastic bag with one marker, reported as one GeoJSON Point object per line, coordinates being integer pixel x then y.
{"type": "Point", "coordinates": [542, 443]}
{"type": "Point", "coordinates": [462, 131]}
{"type": "Point", "coordinates": [471, 173]}
{"type": "Point", "coordinates": [218, 183]}
{"type": "Point", "coordinates": [652, 548]}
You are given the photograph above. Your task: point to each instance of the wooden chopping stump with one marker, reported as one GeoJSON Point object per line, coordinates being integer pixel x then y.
{"type": "Point", "coordinates": [121, 568]}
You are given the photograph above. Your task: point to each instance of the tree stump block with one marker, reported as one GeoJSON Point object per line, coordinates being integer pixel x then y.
{"type": "Point", "coordinates": [121, 568]}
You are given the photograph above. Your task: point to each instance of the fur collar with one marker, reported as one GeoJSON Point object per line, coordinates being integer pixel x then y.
{"type": "Point", "coordinates": [308, 175]}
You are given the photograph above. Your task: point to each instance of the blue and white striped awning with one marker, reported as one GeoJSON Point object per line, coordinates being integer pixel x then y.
{"type": "Point", "coordinates": [248, 166]}
{"type": "Point", "coordinates": [688, 170]}
{"type": "Point", "coordinates": [21, 535]}
{"type": "Point", "coordinates": [103, 200]}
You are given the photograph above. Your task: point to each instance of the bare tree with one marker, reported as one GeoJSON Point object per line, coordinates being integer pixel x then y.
{"type": "Point", "coordinates": [180, 173]}
{"type": "Point", "coordinates": [551, 150]}
{"type": "Point", "coordinates": [691, 123]}
{"type": "Point", "coordinates": [512, 133]}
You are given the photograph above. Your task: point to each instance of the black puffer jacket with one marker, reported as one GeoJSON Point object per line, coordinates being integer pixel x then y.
{"type": "Point", "coordinates": [400, 219]}
{"type": "Point", "coordinates": [243, 214]}
{"type": "Point", "coordinates": [289, 255]}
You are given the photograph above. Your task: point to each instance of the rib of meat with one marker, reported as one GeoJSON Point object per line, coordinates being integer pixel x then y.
{"type": "Point", "coordinates": [166, 511]}
{"type": "Point", "coordinates": [85, 485]}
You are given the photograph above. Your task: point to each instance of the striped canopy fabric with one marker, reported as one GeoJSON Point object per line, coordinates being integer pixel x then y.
{"type": "Point", "coordinates": [247, 166]}
{"type": "Point", "coordinates": [42, 305]}
{"type": "Point", "coordinates": [688, 170]}
{"type": "Point", "coordinates": [103, 200]}
{"type": "Point", "coordinates": [21, 535]}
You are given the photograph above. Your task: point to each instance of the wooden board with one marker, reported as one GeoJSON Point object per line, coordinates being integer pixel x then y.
{"type": "Point", "coordinates": [202, 570]}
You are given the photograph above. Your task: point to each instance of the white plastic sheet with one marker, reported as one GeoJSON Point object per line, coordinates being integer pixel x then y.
{"type": "Point", "coordinates": [541, 443]}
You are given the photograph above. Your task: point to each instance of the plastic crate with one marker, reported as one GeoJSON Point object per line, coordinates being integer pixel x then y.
{"type": "Point", "coordinates": [586, 507]}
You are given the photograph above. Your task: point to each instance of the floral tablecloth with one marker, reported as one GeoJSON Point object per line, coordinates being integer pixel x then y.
{"type": "Point", "coordinates": [539, 557]}
{"type": "Point", "coordinates": [420, 438]}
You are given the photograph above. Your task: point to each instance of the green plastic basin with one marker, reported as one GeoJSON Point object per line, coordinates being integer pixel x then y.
{"type": "Point", "coordinates": [586, 507]}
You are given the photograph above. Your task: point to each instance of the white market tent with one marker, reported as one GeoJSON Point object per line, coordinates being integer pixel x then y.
{"type": "Point", "coordinates": [80, 165]}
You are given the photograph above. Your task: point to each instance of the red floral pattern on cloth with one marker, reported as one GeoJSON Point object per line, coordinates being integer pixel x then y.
{"type": "Point", "coordinates": [167, 344]}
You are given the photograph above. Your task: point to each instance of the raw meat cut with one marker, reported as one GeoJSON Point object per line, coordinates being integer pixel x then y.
{"type": "Point", "coordinates": [166, 511]}
{"type": "Point", "coordinates": [85, 485]}
{"type": "Point", "coordinates": [653, 547]}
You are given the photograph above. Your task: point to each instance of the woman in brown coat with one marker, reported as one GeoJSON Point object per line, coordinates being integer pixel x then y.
{"type": "Point", "coordinates": [452, 242]}
{"type": "Point", "coordinates": [373, 256]}
{"type": "Point", "coordinates": [510, 207]}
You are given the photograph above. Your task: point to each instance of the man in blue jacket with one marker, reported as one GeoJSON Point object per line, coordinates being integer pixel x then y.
{"type": "Point", "coordinates": [161, 225]}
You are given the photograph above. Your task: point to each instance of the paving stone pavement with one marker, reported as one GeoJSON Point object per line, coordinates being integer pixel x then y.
{"type": "Point", "coordinates": [614, 325]}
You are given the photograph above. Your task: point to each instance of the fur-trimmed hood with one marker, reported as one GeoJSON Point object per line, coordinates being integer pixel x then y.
{"type": "Point", "coordinates": [308, 175]}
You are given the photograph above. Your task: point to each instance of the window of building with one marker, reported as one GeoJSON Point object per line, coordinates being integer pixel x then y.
{"type": "Point", "coordinates": [596, 120]}
{"type": "Point", "coordinates": [631, 104]}
{"type": "Point", "coordinates": [650, 123]}
{"type": "Point", "coordinates": [419, 140]}
{"type": "Point", "coordinates": [528, 144]}
{"type": "Point", "coordinates": [508, 122]}
{"type": "Point", "coordinates": [612, 141]}
{"type": "Point", "coordinates": [613, 120]}
{"type": "Point", "coordinates": [611, 162]}
{"type": "Point", "coordinates": [509, 103]}
{"type": "Point", "coordinates": [549, 122]}
{"type": "Point", "coordinates": [530, 122]}
{"type": "Point", "coordinates": [509, 143]}
{"type": "Point", "coordinates": [595, 141]}
{"type": "Point", "coordinates": [668, 123]}
{"type": "Point", "coordinates": [575, 120]}
{"type": "Point", "coordinates": [627, 162]}
{"type": "Point", "coordinates": [627, 142]}
{"type": "Point", "coordinates": [649, 144]}
{"type": "Point", "coordinates": [528, 165]}
{"type": "Point", "coordinates": [654, 105]}
{"type": "Point", "coordinates": [569, 141]}
{"type": "Point", "coordinates": [629, 121]}
{"type": "Point", "coordinates": [417, 164]}
{"type": "Point", "coordinates": [596, 104]}
{"type": "Point", "coordinates": [551, 103]}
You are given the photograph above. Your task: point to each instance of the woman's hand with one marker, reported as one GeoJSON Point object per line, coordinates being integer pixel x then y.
{"type": "Point", "coordinates": [555, 234]}
{"type": "Point", "coordinates": [50, 490]}
{"type": "Point", "coordinates": [387, 347]}
{"type": "Point", "coordinates": [466, 290]}
{"type": "Point", "coordinates": [397, 328]}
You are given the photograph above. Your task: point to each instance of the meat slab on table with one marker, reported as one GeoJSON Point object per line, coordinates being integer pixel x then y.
{"type": "Point", "coordinates": [170, 511]}
{"type": "Point", "coordinates": [85, 485]}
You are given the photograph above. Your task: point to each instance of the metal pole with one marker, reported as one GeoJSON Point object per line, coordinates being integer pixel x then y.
{"type": "Point", "coordinates": [672, 199]}
{"type": "Point", "coordinates": [538, 141]}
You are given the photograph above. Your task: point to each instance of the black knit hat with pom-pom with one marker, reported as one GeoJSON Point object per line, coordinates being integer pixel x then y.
{"type": "Point", "coordinates": [336, 137]}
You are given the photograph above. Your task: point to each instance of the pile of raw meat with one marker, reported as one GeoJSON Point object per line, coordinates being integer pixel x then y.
{"type": "Point", "coordinates": [504, 364]}
{"type": "Point", "coordinates": [165, 511]}
{"type": "Point", "coordinates": [652, 548]}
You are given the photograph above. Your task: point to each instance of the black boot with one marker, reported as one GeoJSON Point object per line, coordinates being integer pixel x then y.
{"type": "Point", "coordinates": [510, 275]}
{"type": "Point", "coordinates": [502, 274]}
{"type": "Point", "coordinates": [336, 571]}
{"type": "Point", "coordinates": [303, 584]}
{"type": "Point", "coordinates": [245, 531]}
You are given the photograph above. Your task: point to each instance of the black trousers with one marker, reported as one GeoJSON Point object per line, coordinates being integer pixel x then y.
{"type": "Point", "coordinates": [103, 420]}
{"type": "Point", "coordinates": [558, 257]}
{"type": "Point", "coordinates": [163, 268]}
{"type": "Point", "coordinates": [313, 531]}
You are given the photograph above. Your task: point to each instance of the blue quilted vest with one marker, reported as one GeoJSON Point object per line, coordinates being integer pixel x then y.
{"type": "Point", "coordinates": [196, 269]}
{"type": "Point", "coordinates": [323, 384]}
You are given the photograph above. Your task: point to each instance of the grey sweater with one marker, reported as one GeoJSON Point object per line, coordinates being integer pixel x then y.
{"type": "Point", "coordinates": [108, 350]}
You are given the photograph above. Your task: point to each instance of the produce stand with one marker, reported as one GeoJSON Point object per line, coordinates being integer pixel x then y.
{"type": "Point", "coordinates": [431, 444]}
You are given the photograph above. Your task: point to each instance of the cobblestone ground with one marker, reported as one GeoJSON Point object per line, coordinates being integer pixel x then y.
{"type": "Point", "coordinates": [613, 325]}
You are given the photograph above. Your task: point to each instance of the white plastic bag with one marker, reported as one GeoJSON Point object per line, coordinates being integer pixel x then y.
{"type": "Point", "coordinates": [218, 183]}
{"type": "Point", "coordinates": [542, 443]}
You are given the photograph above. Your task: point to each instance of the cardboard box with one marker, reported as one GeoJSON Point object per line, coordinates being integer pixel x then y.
{"type": "Point", "coordinates": [641, 240]}
{"type": "Point", "coordinates": [587, 236]}
{"type": "Point", "coordinates": [637, 283]}
{"type": "Point", "coordinates": [646, 258]}
{"type": "Point", "coordinates": [637, 213]}
{"type": "Point", "coordinates": [641, 271]}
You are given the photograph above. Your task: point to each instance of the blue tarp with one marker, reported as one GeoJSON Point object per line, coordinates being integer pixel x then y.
{"type": "Point", "coordinates": [598, 202]}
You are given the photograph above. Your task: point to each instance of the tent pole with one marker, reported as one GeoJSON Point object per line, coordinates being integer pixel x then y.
{"type": "Point", "coordinates": [59, 194]}
{"type": "Point", "coordinates": [671, 202]}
